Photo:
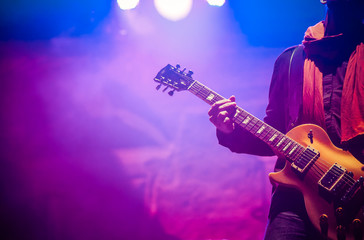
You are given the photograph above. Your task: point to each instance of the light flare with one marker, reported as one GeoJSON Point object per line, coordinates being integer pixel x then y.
{"type": "Point", "coordinates": [173, 10]}
{"type": "Point", "coordinates": [127, 4]}
{"type": "Point", "coordinates": [217, 3]}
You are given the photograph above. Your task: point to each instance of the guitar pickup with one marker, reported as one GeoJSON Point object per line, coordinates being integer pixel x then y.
{"type": "Point", "coordinates": [333, 183]}
{"type": "Point", "coordinates": [305, 161]}
{"type": "Point", "coordinates": [332, 177]}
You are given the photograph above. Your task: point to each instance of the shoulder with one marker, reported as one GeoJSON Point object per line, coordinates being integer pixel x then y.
{"type": "Point", "coordinates": [287, 54]}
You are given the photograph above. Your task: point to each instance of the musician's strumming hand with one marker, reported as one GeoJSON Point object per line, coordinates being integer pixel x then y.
{"type": "Point", "coordinates": [221, 114]}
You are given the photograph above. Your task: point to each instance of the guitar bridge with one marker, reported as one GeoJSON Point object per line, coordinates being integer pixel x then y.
{"type": "Point", "coordinates": [357, 189]}
{"type": "Point", "coordinates": [339, 187]}
{"type": "Point", "coordinates": [337, 184]}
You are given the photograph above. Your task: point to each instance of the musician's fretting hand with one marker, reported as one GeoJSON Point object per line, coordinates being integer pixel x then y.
{"type": "Point", "coordinates": [221, 113]}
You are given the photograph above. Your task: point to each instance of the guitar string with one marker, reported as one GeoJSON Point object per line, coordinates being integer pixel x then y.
{"type": "Point", "coordinates": [347, 181]}
{"type": "Point", "coordinates": [318, 171]}
{"type": "Point", "coordinates": [318, 165]}
{"type": "Point", "coordinates": [204, 95]}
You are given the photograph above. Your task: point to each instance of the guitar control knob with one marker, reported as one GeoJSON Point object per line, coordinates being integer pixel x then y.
{"type": "Point", "coordinates": [339, 215]}
{"type": "Point", "coordinates": [339, 211]}
{"type": "Point", "coordinates": [324, 225]}
{"type": "Point", "coordinates": [340, 231]}
{"type": "Point", "coordinates": [357, 229]}
{"type": "Point", "coordinates": [171, 92]}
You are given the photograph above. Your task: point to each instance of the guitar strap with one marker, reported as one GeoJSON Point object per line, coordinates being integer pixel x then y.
{"type": "Point", "coordinates": [295, 87]}
{"type": "Point", "coordinates": [294, 96]}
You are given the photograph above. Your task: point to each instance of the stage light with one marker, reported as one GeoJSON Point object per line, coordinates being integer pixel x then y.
{"type": "Point", "coordinates": [173, 10]}
{"type": "Point", "coordinates": [217, 3]}
{"type": "Point", "coordinates": [127, 4]}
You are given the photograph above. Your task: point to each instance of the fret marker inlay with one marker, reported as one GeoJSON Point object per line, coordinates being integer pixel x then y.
{"type": "Point", "coordinates": [273, 137]}
{"type": "Point", "coordinates": [294, 148]}
{"type": "Point", "coordinates": [210, 97]}
{"type": "Point", "coordinates": [285, 148]}
{"type": "Point", "coordinates": [280, 142]}
{"type": "Point", "coordinates": [247, 119]}
{"type": "Point", "coordinates": [261, 129]}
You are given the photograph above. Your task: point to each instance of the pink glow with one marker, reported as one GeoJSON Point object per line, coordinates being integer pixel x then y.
{"type": "Point", "coordinates": [93, 151]}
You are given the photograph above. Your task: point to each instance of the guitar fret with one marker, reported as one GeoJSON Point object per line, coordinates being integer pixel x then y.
{"type": "Point", "coordinates": [293, 149]}
{"type": "Point", "coordinates": [277, 139]}
{"type": "Point", "coordinates": [261, 129]}
{"type": "Point", "coordinates": [251, 124]}
{"type": "Point", "coordinates": [285, 147]}
{"type": "Point", "coordinates": [210, 97]}
{"type": "Point", "coordinates": [281, 141]}
{"type": "Point", "coordinates": [237, 120]}
{"type": "Point", "coordinates": [264, 132]}
{"type": "Point", "coordinates": [239, 116]}
{"type": "Point", "coordinates": [195, 88]}
{"type": "Point", "coordinates": [216, 98]}
{"type": "Point", "coordinates": [246, 120]}
{"type": "Point", "coordinates": [299, 151]}
{"type": "Point", "coordinates": [242, 115]}
{"type": "Point", "coordinates": [204, 93]}
{"type": "Point", "coordinates": [273, 137]}
{"type": "Point", "coordinates": [268, 134]}
{"type": "Point", "coordinates": [282, 144]}
{"type": "Point", "coordinates": [256, 127]}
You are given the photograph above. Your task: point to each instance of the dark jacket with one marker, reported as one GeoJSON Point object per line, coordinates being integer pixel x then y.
{"type": "Point", "coordinates": [285, 106]}
{"type": "Point", "coordinates": [284, 112]}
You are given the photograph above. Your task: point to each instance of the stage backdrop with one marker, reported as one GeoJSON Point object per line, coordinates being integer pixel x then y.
{"type": "Point", "coordinates": [91, 150]}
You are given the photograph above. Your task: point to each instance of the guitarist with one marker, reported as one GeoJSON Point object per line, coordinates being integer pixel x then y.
{"type": "Point", "coordinates": [320, 82]}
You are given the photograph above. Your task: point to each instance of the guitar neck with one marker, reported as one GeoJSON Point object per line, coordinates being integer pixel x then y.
{"type": "Point", "coordinates": [278, 141]}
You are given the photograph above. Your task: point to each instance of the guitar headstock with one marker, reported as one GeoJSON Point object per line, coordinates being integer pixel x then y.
{"type": "Point", "coordinates": [174, 78]}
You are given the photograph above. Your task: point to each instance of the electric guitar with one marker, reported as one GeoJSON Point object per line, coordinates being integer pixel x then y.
{"type": "Point", "coordinates": [330, 179]}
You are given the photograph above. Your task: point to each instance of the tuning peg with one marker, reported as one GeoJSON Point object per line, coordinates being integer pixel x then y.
{"type": "Point", "coordinates": [178, 66]}
{"type": "Point", "coordinates": [159, 86]}
{"type": "Point", "coordinates": [189, 74]}
{"type": "Point", "coordinates": [165, 89]}
{"type": "Point", "coordinates": [171, 92]}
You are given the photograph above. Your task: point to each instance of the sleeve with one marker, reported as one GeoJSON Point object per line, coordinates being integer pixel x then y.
{"type": "Point", "coordinates": [240, 140]}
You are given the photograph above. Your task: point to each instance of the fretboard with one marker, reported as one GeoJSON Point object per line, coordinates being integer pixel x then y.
{"type": "Point", "coordinates": [278, 141]}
